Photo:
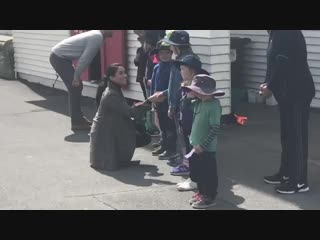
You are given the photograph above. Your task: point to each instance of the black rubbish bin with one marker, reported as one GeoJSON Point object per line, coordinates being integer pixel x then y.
{"type": "Point", "coordinates": [237, 46]}
{"type": "Point", "coordinates": [6, 57]}
{"type": "Point", "coordinates": [238, 90]}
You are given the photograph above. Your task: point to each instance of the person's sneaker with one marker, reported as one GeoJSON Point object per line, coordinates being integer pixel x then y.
{"type": "Point", "coordinates": [289, 188]}
{"type": "Point", "coordinates": [187, 185]}
{"type": "Point", "coordinates": [194, 198]}
{"type": "Point", "coordinates": [181, 170]}
{"type": "Point", "coordinates": [153, 133]}
{"type": "Point", "coordinates": [203, 202]}
{"type": "Point", "coordinates": [158, 151]}
{"type": "Point", "coordinates": [174, 161]}
{"type": "Point", "coordinates": [80, 127]}
{"type": "Point", "coordinates": [166, 155]}
{"type": "Point", "coordinates": [276, 179]}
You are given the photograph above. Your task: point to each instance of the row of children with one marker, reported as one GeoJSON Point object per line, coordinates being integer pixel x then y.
{"type": "Point", "coordinates": [183, 96]}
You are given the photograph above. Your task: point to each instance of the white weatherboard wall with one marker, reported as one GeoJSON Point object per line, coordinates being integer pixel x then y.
{"type": "Point", "coordinates": [6, 32]}
{"type": "Point", "coordinates": [256, 63]}
{"type": "Point", "coordinates": [213, 48]}
{"type": "Point", "coordinates": [32, 50]}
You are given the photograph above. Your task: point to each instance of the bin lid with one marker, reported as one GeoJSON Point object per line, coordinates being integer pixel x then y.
{"type": "Point", "coordinates": [4, 39]}
{"type": "Point", "coordinates": [5, 42]}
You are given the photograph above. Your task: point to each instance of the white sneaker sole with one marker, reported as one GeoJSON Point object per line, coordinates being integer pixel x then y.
{"type": "Point", "coordinates": [185, 189]}
{"type": "Point", "coordinates": [293, 192]}
{"type": "Point", "coordinates": [203, 207]}
{"type": "Point", "coordinates": [270, 182]}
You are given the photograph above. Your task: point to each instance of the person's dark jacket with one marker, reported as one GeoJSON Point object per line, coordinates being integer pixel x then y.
{"type": "Point", "coordinates": [101, 88]}
{"type": "Point", "coordinates": [141, 63]}
{"type": "Point", "coordinates": [288, 74]}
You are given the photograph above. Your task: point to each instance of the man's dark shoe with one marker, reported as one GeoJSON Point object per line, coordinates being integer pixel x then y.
{"type": "Point", "coordinates": [166, 155]}
{"type": "Point", "coordinates": [276, 179]}
{"type": "Point", "coordinates": [158, 151]}
{"type": "Point", "coordinates": [80, 127]}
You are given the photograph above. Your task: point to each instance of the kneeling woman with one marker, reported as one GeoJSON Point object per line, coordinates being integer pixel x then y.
{"type": "Point", "coordinates": [113, 132]}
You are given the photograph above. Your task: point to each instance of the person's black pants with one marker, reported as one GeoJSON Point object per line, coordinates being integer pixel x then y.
{"type": "Point", "coordinates": [294, 121]}
{"type": "Point", "coordinates": [203, 171]}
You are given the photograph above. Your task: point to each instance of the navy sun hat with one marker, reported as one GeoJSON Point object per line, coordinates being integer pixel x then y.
{"type": "Point", "coordinates": [193, 62]}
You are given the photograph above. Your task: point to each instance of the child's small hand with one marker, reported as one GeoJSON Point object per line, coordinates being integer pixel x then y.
{"type": "Point", "coordinates": [198, 149]}
{"type": "Point", "coordinates": [149, 83]}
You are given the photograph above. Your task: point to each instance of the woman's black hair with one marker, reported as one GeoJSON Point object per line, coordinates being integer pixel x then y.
{"type": "Point", "coordinates": [110, 72]}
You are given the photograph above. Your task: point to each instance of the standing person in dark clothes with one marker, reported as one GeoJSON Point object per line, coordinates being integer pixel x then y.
{"type": "Point", "coordinates": [140, 62]}
{"type": "Point", "coordinates": [290, 81]}
{"type": "Point", "coordinates": [82, 47]}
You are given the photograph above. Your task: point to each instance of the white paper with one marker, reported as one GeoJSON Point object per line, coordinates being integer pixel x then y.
{"type": "Point", "coordinates": [190, 154]}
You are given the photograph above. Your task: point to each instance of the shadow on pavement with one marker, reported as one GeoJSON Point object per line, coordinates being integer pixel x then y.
{"type": "Point", "coordinates": [56, 100]}
{"type": "Point", "coordinates": [137, 175]}
{"type": "Point", "coordinates": [78, 137]}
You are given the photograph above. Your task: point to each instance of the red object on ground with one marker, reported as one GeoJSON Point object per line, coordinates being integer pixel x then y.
{"type": "Point", "coordinates": [241, 120]}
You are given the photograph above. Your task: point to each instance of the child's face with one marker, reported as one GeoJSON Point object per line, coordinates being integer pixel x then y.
{"type": "Point", "coordinates": [165, 55]}
{"type": "Point", "coordinates": [186, 73]}
{"type": "Point", "coordinates": [191, 95]}
{"type": "Point", "coordinates": [174, 49]}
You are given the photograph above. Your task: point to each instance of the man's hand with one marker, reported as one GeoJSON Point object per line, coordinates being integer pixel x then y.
{"type": "Point", "coordinates": [198, 149]}
{"type": "Point", "coordinates": [76, 82]}
{"type": "Point", "coordinates": [264, 91]}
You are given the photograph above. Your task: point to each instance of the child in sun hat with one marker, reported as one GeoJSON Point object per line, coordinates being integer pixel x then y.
{"type": "Point", "coordinates": [203, 139]}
